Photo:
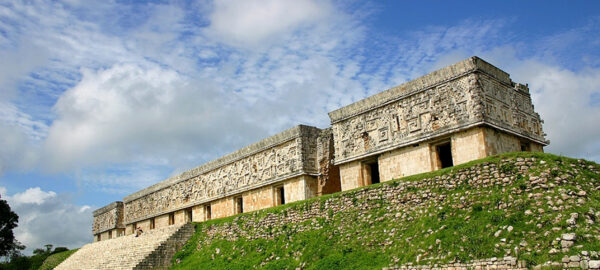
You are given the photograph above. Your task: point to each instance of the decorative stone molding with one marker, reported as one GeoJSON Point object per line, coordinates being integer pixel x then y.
{"type": "Point", "coordinates": [108, 217]}
{"type": "Point", "coordinates": [288, 154]}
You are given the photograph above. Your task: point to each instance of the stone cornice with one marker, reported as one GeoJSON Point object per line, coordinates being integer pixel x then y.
{"type": "Point", "coordinates": [107, 208]}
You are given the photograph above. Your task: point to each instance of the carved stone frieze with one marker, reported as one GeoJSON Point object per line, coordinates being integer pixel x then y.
{"type": "Point", "coordinates": [420, 115]}
{"type": "Point", "coordinates": [288, 157]}
{"type": "Point", "coordinates": [511, 108]}
{"type": "Point", "coordinates": [108, 218]}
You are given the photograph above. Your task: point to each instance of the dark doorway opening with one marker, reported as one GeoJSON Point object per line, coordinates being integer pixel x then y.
{"type": "Point", "coordinates": [525, 147]}
{"type": "Point", "coordinates": [280, 193]}
{"type": "Point", "coordinates": [207, 211]}
{"type": "Point", "coordinates": [239, 203]}
{"type": "Point", "coordinates": [444, 152]}
{"type": "Point", "coordinates": [374, 169]}
{"type": "Point", "coordinates": [171, 218]}
{"type": "Point", "coordinates": [152, 223]}
{"type": "Point", "coordinates": [189, 215]}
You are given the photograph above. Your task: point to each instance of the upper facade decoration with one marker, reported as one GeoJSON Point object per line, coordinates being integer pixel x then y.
{"type": "Point", "coordinates": [288, 154]}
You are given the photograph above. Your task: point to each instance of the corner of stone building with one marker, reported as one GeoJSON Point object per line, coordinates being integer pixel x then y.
{"type": "Point", "coordinates": [328, 179]}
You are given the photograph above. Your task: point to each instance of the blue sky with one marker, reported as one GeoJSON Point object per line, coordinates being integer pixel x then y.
{"type": "Point", "coordinates": [99, 99]}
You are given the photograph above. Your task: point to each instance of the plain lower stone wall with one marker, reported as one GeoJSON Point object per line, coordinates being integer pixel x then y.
{"type": "Point", "coordinates": [497, 142]}
{"type": "Point", "coordinates": [144, 225]}
{"type": "Point", "coordinates": [222, 208]}
{"type": "Point", "coordinates": [199, 213]}
{"type": "Point", "coordinates": [405, 161]}
{"type": "Point", "coordinates": [469, 145]}
{"type": "Point", "coordinates": [300, 188]}
{"type": "Point", "coordinates": [258, 199]}
{"type": "Point", "coordinates": [351, 175]}
{"type": "Point", "coordinates": [180, 217]}
{"type": "Point", "coordinates": [162, 221]}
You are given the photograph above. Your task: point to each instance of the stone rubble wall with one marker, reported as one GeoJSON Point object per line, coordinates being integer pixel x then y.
{"type": "Point", "coordinates": [286, 155]}
{"type": "Point", "coordinates": [491, 263]}
{"type": "Point", "coordinates": [405, 197]}
{"type": "Point", "coordinates": [108, 218]}
{"type": "Point", "coordinates": [569, 262]}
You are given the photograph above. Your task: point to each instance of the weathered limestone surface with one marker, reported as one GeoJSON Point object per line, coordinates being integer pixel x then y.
{"type": "Point", "coordinates": [108, 218]}
{"type": "Point", "coordinates": [469, 93]}
{"type": "Point", "coordinates": [405, 161]}
{"type": "Point", "coordinates": [470, 144]}
{"type": "Point", "coordinates": [351, 175]}
{"type": "Point", "coordinates": [329, 173]}
{"type": "Point", "coordinates": [283, 156]}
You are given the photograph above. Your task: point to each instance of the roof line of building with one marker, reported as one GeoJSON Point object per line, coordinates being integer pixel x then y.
{"type": "Point", "coordinates": [107, 208]}
{"type": "Point", "coordinates": [279, 138]}
{"type": "Point", "coordinates": [437, 77]}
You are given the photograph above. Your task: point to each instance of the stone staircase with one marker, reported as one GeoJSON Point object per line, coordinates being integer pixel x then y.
{"type": "Point", "coordinates": [151, 250]}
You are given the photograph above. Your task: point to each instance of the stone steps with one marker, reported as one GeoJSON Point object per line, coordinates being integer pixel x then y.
{"type": "Point", "coordinates": [152, 249]}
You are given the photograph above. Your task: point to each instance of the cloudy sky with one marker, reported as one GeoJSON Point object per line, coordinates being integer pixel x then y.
{"type": "Point", "coordinates": [101, 98]}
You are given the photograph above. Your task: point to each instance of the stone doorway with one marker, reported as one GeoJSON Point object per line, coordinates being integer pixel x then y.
{"type": "Point", "coordinates": [189, 215]}
{"type": "Point", "coordinates": [279, 195]}
{"type": "Point", "coordinates": [207, 212]}
{"type": "Point", "coordinates": [239, 205]}
{"type": "Point", "coordinates": [444, 155]}
{"type": "Point", "coordinates": [370, 172]}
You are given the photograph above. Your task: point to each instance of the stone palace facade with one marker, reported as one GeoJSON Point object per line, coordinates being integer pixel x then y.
{"type": "Point", "coordinates": [459, 113]}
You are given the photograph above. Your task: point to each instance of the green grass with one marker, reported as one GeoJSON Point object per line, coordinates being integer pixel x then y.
{"type": "Point", "coordinates": [436, 231]}
{"type": "Point", "coordinates": [55, 259]}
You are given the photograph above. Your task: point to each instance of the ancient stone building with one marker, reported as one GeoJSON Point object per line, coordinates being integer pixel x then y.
{"type": "Point", "coordinates": [460, 113]}
{"type": "Point", "coordinates": [290, 166]}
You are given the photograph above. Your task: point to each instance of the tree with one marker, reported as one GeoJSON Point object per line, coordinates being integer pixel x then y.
{"type": "Point", "coordinates": [8, 221]}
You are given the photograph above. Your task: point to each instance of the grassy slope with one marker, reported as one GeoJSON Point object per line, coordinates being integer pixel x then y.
{"type": "Point", "coordinates": [55, 259]}
{"type": "Point", "coordinates": [435, 232]}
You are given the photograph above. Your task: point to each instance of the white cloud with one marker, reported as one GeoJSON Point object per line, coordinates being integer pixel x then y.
{"type": "Point", "coordinates": [32, 196]}
{"type": "Point", "coordinates": [131, 113]}
{"type": "Point", "coordinates": [252, 22]}
{"type": "Point", "coordinates": [48, 218]}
